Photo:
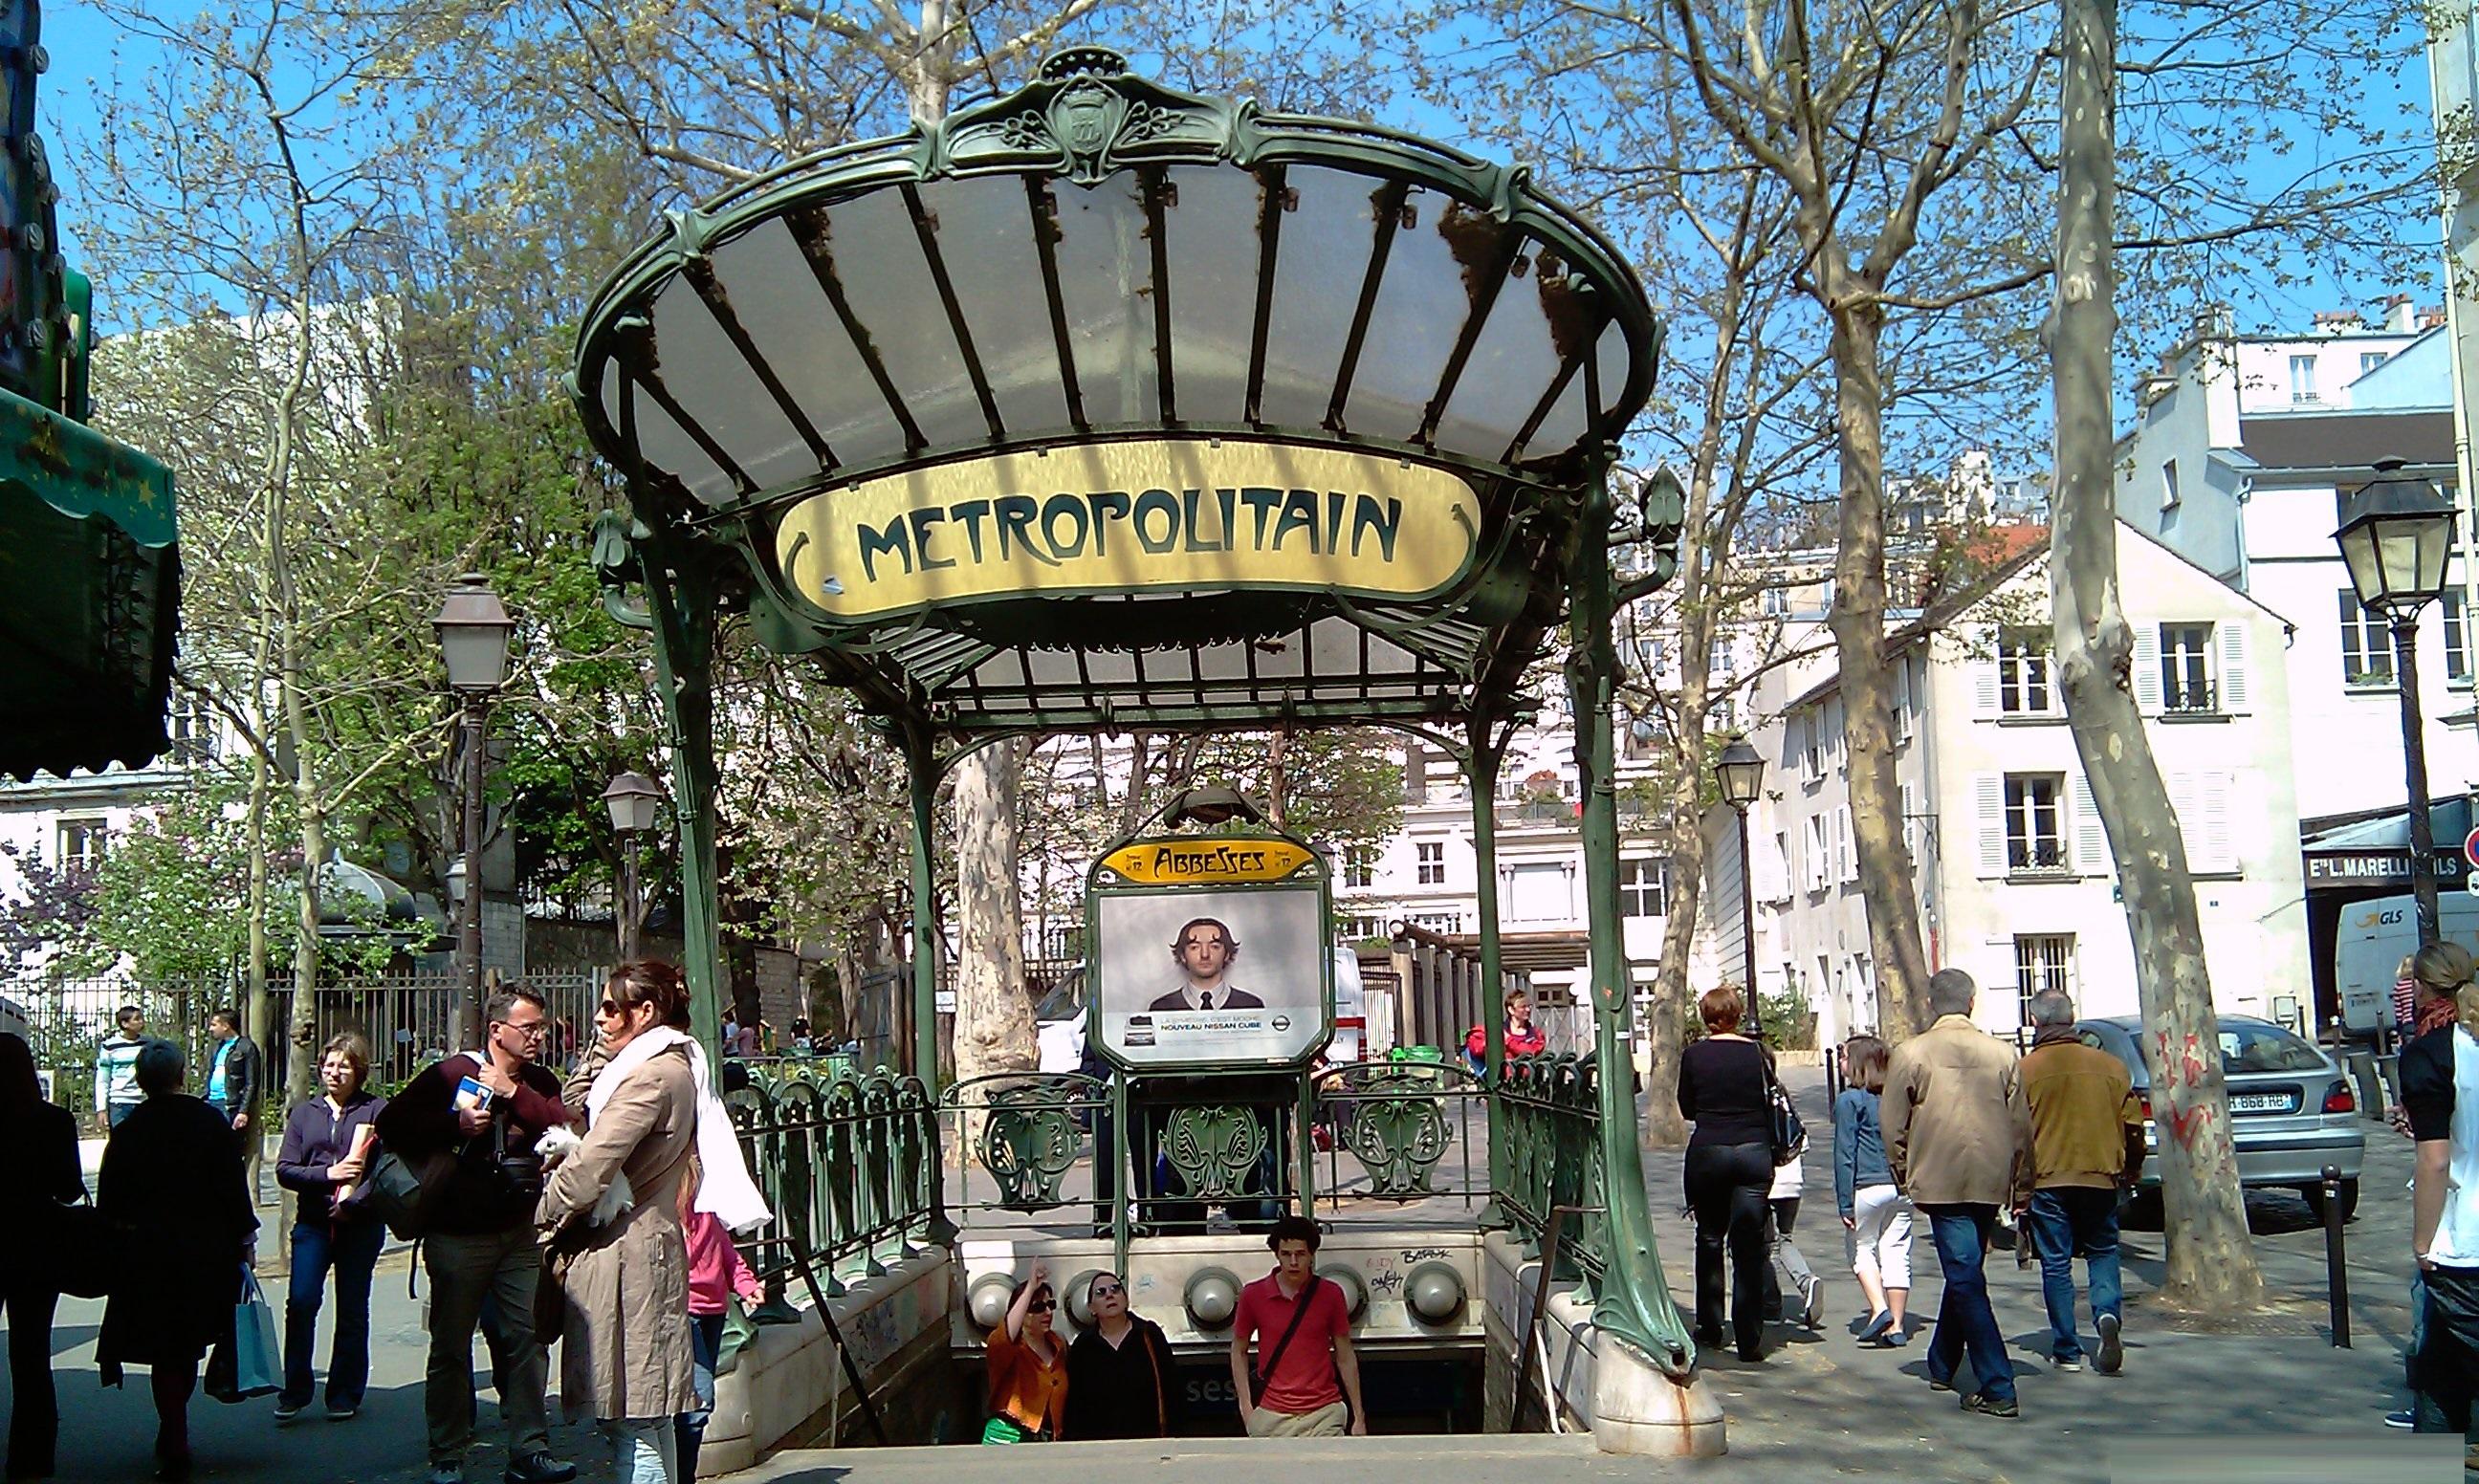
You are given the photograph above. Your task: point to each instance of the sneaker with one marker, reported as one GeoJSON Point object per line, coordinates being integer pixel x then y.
{"type": "Point", "coordinates": [1986, 1406]}
{"type": "Point", "coordinates": [2066, 1364]}
{"type": "Point", "coordinates": [2405, 1419]}
{"type": "Point", "coordinates": [1937, 1385]}
{"type": "Point", "coordinates": [344, 1413]}
{"type": "Point", "coordinates": [1811, 1298]}
{"type": "Point", "coordinates": [538, 1469]}
{"type": "Point", "coordinates": [286, 1411]}
{"type": "Point", "coordinates": [2112, 1353]}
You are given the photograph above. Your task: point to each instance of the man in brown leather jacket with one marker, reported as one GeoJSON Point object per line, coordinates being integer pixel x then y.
{"type": "Point", "coordinates": [2087, 1141]}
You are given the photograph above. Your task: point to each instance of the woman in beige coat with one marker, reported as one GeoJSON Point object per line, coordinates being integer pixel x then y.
{"type": "Point", "coordinates": [615, 1201]}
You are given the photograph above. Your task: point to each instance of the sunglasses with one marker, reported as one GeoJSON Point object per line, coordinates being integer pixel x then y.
{"type": "Point", "coordinates": [607, 1008]}
{"type": "Point", "coordinates": [1041, 1306]}
{"type": "Point", "coordinates": [1105, 1289]}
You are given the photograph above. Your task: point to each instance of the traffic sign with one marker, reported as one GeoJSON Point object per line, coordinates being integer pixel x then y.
{"type": "Point", "coordinates": [2470, 849]}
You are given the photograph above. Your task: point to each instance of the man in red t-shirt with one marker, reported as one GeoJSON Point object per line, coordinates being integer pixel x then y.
{"type": "Point", "coordinates": [1299, 1389]}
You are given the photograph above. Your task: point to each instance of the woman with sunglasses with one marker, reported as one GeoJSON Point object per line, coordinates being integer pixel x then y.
{"type": "Point", "coordinates": [616, 1198]}
{"type": "Point", "coordinates": [1028, 1367]}
{"type": "Point", "coordinates": [1119, 1371]}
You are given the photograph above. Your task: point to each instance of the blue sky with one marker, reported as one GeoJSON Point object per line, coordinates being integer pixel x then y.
{"type": "Point", "coordinates": [87, 48]}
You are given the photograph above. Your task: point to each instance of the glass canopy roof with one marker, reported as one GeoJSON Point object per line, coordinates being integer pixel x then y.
{"type": "Point", "coordinates": [818, 371]}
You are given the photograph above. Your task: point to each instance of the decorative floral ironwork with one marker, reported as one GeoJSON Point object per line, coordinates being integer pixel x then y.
{"type": "Point", "coordinates": [1028, 1141]}
{"type": "Point", "coordinates": [1213, 1150]}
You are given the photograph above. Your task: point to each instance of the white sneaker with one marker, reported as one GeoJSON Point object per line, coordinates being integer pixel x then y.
{"type": "Point", "coordinates": [1811, 1298]}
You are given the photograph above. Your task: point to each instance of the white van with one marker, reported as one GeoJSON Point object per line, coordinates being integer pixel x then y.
{"type": "Point", "coordinates": [1350, 1011]}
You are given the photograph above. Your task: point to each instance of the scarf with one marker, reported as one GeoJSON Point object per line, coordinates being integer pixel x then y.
{"type": "Point", "coordinates": [2052, 1035]}
{"type": "Point", "coordinates": [2439, 1012]}
{"type": "Point", "coordinates": [724, 1191]}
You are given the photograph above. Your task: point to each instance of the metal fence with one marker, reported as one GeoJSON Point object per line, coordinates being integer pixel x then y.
{"type": "Point", "coordinates": [405, 1018]}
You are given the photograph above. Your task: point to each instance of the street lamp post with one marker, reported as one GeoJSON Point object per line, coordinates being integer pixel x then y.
{"type": "Point", "coordinates": [473, 631]}
{"type": "Point", "coordinates": [2397, 538]}
{"type": "Point", "coordinates": [1741, 773]}
{"type": "Point", "coordinates": [633, 800]}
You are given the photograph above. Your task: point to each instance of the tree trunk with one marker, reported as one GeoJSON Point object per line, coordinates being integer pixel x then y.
{"type": "Point", "coordinates": [2210, 1262]}
{"type": "Point", "coordinates": [994, 1027]}
{"type": "Point", "coordinates": [1858, 626]}
{"type": "Point", "coordinates": [258, 1011]}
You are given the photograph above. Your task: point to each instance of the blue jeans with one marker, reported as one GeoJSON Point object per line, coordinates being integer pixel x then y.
{"type": "Point", "coordinates": [116, 1113]}
{"type": "Point", "coordinates": [705, 1347]}
{"type": "Point", "coordinates": [2065, 1223]}
{"type": "Point", "coordinates": [1964, 1320]}
{"type": "Point", "coordinates": [351, 1250]}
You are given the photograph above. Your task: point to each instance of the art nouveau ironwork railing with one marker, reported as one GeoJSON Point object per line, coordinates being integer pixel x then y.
{"type": "Point", "coordinates": [848, 1162]}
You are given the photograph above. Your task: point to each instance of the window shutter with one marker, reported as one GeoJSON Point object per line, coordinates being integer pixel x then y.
{"type": "Point", "coordinates": [2186, 802]}
{"type": "Point", "coordinates": [2233, 668]}
{"type": "Point", "coordinates": [1910, 841]}
{"type": "Point", "coordinates": [2147, 670]}
{"type": "Point", "coordinates": [1983, 680]}
{"type": "Point", "coordinates": [1845, 850]}
{"type": "Point", "coordinates": [1988, 793]}
{"type": "Point", "coordinates": [2219, 852]}
{"type": "Point", "coordinates": [2091, 840]}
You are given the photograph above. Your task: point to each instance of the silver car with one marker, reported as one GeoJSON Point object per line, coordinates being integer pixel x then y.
{"type": "Point", "coordinates": [2292, 1109]}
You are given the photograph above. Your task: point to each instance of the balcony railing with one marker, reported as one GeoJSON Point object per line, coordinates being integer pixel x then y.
{"type": "Point", "coordinates": [2191, 697]}
{"type": "Point", "coordinates": [2037, 857]}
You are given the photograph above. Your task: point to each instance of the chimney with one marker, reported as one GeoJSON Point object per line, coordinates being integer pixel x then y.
{"type": "Point", "coordinates": [2334, 321]}
{"type": "Point", "coordinates": [2397, 313]}
{"type": "Point", "coordinates": [2431, 316]}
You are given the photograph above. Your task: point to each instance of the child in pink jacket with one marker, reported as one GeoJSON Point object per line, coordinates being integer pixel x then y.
{"type": "Point", "coordinates": [716, 1272]}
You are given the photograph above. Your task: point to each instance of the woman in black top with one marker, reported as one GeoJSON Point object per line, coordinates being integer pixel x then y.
{"type": "Point", "coordinates": [39, 1174]}
{"type": "Point", "coordinates": [1729, 1169]}
{"type": "Point", "coordinates": [1118, 1372]}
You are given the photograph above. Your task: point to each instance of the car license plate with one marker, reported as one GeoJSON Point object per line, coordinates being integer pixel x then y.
{"type": "Point", "coordinates": [2262, 1101]}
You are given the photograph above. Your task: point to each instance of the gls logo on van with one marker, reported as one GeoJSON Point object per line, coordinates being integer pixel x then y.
{"type": "Point", "coordinates": [2392, 918]}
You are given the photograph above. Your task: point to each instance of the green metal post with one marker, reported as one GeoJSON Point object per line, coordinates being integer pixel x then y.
{"type": "Point", "coordinates": [1481, 761]}
{"type": "Point", "coordinates": [922, 769]}
{"type": "Point", "coordinates": [1633, 1300]}
{"type": "Point", "coordinates": [1121, 1168]}
{"type": "Point", "coordinates": [682, 603]}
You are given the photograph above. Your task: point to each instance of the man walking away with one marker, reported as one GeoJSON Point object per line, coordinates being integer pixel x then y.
{"type": "Point", "coordinates": [1303, 1332]}
{"type": "Point", "coordinates": [115, 1069]}
{"type": "Point", "coordinates": [1956, 1134]}
{"type": "Point", "coordinates": [480, 1242]}
{"type": "Point", "coordinates": [236, 1079]}
{"type": "Point", "coordinates": [2087, 1141]}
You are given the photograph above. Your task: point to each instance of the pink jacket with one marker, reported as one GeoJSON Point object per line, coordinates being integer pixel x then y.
{"type": "Point", "coordinates": [716, 1270]}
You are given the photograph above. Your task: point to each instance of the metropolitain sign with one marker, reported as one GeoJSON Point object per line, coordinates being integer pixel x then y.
{"type": "Point", "coordinates": [1144, 516]}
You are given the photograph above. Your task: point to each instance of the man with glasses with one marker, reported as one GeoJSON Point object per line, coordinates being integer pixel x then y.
{"type": "Point", "coordinates": [479, 1241]}
{"type": "Point", "coordinates": [1119, 1369]}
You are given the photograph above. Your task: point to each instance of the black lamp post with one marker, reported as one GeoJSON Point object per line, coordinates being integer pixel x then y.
{"type": "Point", "coordinates": [633, 800]}
{"type": "Point", "coordinates": [2397, 538]}
{"type": "Point", "coordinates": [473, 633]}
{"type": "Point", "coordinates": [1741, 773]}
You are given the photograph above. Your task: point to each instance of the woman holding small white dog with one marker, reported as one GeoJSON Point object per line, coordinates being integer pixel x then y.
{"type": "Point", "coordinates": [615, 1199]}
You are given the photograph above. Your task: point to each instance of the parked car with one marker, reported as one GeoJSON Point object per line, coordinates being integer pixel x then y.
{"type": "Point", "coordinates": [2292, 1111]}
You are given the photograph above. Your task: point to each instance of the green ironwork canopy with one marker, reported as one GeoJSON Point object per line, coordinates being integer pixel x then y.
{"type": "Point", "coordinates": [1226, 416]}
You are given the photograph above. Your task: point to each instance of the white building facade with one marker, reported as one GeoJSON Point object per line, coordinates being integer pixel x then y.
{"type": "Point", "coordinates": [2015, 880]}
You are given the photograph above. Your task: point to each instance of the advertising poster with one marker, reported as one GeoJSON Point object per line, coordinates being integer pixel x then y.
{"type": "Point", "coordinates": [1191, 975]}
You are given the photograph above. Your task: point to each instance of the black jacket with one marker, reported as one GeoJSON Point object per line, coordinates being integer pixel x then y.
{"type": "Point", "coordinates": [420, 1121]}
{"type": "Point", "coordinates": [1122, 1392]}
{"type": "Point", "coordinates": [244, 1078]}
{"type": "Point", "coordinates": [172, 1181]}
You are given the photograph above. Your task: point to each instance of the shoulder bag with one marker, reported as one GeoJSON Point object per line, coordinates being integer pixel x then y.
{"type": "Point", "coordinates": [1259, 1379]}
{"type": "Point", "coordinates": [1787, 1134]}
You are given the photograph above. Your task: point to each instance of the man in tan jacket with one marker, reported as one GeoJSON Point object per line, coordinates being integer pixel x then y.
{"type": "Point", "coordinates": [1957, 1135]}
{"type": "Point", "coordinates": [2086, 1140]}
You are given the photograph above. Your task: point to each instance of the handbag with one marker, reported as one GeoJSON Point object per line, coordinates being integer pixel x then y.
{"type": "Point", "coordinates": [247, 1362]}
{"type": "Point", "coordinates": [1260, 1378]}
{"type": "Point", "coordinates": [1787, 1134]}
{"type": "Point", "coordinates": [403, 1191]}
{"type": "Point", "coordinates": [82, 1252]}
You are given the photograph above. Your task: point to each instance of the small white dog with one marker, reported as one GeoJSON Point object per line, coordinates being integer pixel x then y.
{"type": "Point", "coordinates": [557, 1144]}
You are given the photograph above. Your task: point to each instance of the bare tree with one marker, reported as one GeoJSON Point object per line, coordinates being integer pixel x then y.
{"type": "Point", "coordinates": [2211, 1262]}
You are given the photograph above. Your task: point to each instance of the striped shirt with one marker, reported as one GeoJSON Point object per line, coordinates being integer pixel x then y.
{"type": "Point", "coordinates": [116, 1071]}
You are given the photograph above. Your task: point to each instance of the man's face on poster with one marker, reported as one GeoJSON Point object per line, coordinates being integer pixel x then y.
{"type": "Point", "coordinates": [1204, 950]}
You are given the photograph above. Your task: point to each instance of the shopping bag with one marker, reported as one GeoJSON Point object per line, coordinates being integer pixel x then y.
{"type": "Point", "coordinates": [247, 1362]}
{"type": "Point", "coordinates": [738, 1330]}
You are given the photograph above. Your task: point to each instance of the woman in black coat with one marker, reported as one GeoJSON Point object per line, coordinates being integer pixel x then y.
{"type": "Point", "coordinates": [39, 1174]}
{"type": "Point", "coordinates": [172, 1181]}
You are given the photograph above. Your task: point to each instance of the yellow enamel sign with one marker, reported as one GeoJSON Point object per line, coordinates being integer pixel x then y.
{"type": "Point", "coordinates": [1148, 515]}
{"type": "Point", "coordinates": [1205, 862]}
